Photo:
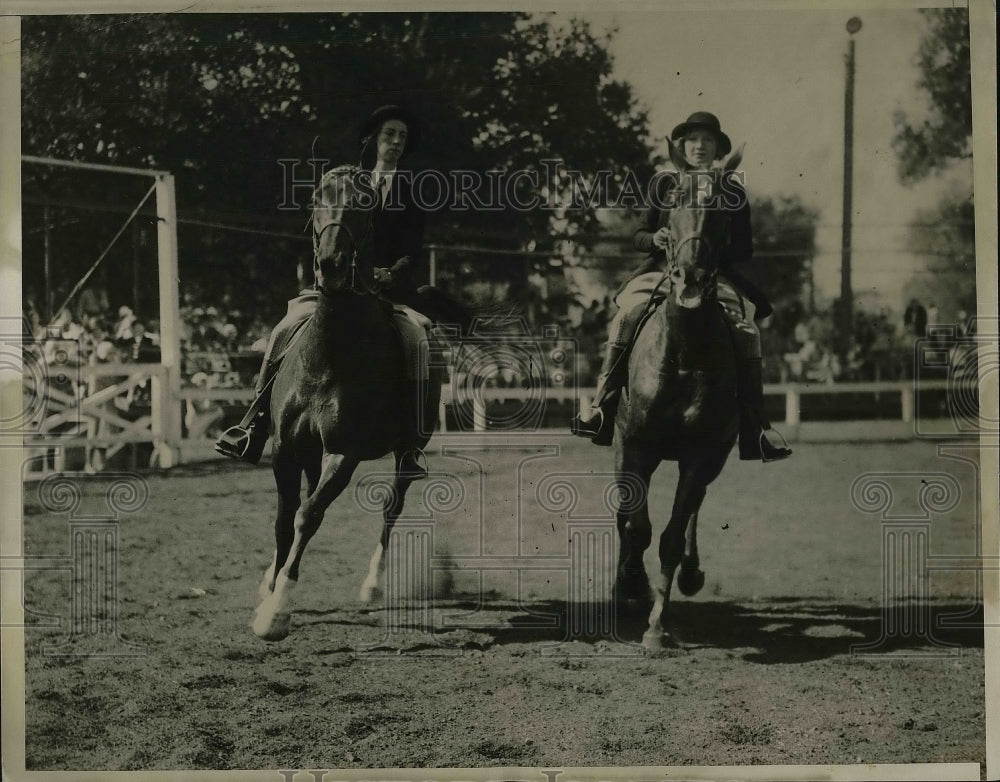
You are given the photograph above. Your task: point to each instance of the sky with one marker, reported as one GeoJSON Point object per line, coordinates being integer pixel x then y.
{"type": "Point", "coordinates": [776, 80]}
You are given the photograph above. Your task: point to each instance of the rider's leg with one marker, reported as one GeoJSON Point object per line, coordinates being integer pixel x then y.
{"type": "Point", "coordinates": [598, 423]}
{"type": "Point", "coordinates": [753, 441]}
{"type": "Point", "coordinates": [247, 439]}
{"type": "Point", "coordinates": [416, 363]}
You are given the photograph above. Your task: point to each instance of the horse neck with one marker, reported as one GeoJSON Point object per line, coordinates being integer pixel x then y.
{"type": "Point", "coordinates": [691, 334]}
{"type": "Point", "coordinates": [341, 317]}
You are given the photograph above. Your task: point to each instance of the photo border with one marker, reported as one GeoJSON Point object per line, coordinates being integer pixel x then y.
{"type": "Point", "coordinates": [983, 40]}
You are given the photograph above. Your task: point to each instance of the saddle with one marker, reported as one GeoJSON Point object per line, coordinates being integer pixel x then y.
{"type": "Point", "coordinates": [644, 297]}
{"type": "Point", "coordinates": [418, 341]}
{"type": "Point", "coordinates": [416, 336]}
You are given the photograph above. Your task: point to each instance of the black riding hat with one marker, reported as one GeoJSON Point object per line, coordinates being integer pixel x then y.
{"type": "Point", "coordinates": [702, 120]}
{"type": "Point", "coordinates": [384, 113]}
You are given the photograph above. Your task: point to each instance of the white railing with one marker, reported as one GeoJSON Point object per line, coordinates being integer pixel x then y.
{"type": "Point", "coordinates": [793, 393]}
{"type": "Point", "coordinates": [95, 416]}
{"type": "Point", "coordinates": [92, 421]}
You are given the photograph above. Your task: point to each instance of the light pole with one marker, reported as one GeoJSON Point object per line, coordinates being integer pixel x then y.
{"type": "Point", "coordinates": [846, 294]}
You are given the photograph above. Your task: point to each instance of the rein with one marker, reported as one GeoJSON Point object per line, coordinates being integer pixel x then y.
{"type": "Point", "coordinates": [356, 284]}
{"type": "Point", "coordinates": [673, 250]}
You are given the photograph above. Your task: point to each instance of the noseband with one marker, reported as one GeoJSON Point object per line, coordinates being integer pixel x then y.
{"type": "Point", "coordinates": [673, 250]}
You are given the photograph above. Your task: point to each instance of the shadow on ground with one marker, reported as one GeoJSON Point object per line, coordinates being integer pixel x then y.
{"type": "Point", "coordinates": [782, 630]}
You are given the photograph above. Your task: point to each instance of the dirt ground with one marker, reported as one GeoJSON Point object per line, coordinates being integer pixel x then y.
{"type": "Point", "coordinates": [501, 670]}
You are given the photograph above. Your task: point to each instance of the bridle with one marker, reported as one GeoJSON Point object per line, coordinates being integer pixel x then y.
{"type": "Point", "coordinates": [673, 250]}
{"type": "Point", "coordinates": [355, 282]}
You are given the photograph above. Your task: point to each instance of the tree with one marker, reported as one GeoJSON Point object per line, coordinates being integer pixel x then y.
{"type": "Point", "coordinates": [944, 136]}
{"type": "Point", "coordinates": [220, 100]}
{"type": "Point", "coordinates": [784, 231]}
{"type": "Point", "coordinates": [947, 236]}
{"type": "Point", "coordinates": [945, 133]}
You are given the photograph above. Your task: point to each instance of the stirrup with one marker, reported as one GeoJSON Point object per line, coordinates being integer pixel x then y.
{"type": "Point", "coordinates": [777, 453]}
{"type": "Point", "coordinates": [239, 443]}
{"type": "Point", "coordinates": [420, 472]}
{"type": "Point", "coordinates": [233, 442]}
{"type": "Point", "coordinates": [581, 428]}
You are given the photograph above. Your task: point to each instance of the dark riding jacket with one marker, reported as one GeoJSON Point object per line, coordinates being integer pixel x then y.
{"type": "Point", "coordinates": [397, 236]}
{"type": "Point", "coordinates": [657, 216]}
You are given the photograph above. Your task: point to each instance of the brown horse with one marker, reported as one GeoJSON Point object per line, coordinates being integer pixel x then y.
{"type": "Point", "coordinates": [337, 400]}
{"type": "Point", "coordinates": [681, 403]}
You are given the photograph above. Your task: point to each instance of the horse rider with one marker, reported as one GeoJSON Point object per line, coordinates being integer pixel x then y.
{"type": "Point", "coordinates": [701, 142]}
{"type": "Point", "coordinates": [390, 250]}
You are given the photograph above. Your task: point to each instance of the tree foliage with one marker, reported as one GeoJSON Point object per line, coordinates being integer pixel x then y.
{"type": "Point", "coordinates": [220, 100]}
{"type": "Point", "coordinates": [944, 134]}
{"type": "Point", "coordinates": [947, 236]}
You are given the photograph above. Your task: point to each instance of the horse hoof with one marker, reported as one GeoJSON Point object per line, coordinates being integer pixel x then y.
{"type": "Point", "coordinates": [659, 640]}
{"type": "Point", "coordinates": [653, 640]}
{"type": "Point", "coordinates": [273, 629]}
{"type": "Point", "coordinates": [369, 594]}
{"type": "Point", "coordinates": [690, 582]}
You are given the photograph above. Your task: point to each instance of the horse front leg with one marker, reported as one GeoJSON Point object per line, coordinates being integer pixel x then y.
{"type": "Point", "coordinates": [273, 617]}
{"type": "Point", "coordinates": [287, 479]}
{"type": "Point", "coordinates": [635, 532]}
{"type": "Point", "coordinates": [678, 542]}
{"type": "Point", "coordinates": [391, 509]}
{"type": "Point", "coordinates": [690, 578]}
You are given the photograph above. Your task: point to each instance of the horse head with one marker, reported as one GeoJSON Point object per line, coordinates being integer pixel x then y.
{"type": "Point", "coordinates": [701, 206]}
{"type": "Point", "coordinates": [337, 228]}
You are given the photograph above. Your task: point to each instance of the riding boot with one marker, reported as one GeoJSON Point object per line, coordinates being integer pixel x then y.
{"type": "Point", "coordinates": [409, 465]}
{"type": "Point", "coordinates": [599, 423]}
{"type": "Point", "coordinates": [754, 424]}
{"type": "Point", "coordinates": [247, 439]}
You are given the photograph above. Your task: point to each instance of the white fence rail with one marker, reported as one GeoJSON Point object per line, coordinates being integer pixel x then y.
{"type": "Point", "coordinates": [793, 393]}
{"type": "Point", "coordinates": [95, 421]}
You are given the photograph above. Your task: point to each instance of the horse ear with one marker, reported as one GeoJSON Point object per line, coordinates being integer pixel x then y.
{"type": "Point", "coordinates": [676, 156]}
{"type": "Point", "coordinates": [734, 159]}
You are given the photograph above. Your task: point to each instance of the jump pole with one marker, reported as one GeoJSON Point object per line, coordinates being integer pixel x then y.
{"type": "Point", "coordinates": [167, 400]}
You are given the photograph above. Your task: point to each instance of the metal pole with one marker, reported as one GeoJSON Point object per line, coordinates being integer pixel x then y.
{"type": "Point", "coordinates": [846, 294]}
{"type": "Point", "coordinates": [432, 264]}
{"type": "Point", "coordinates": [136, 273]}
